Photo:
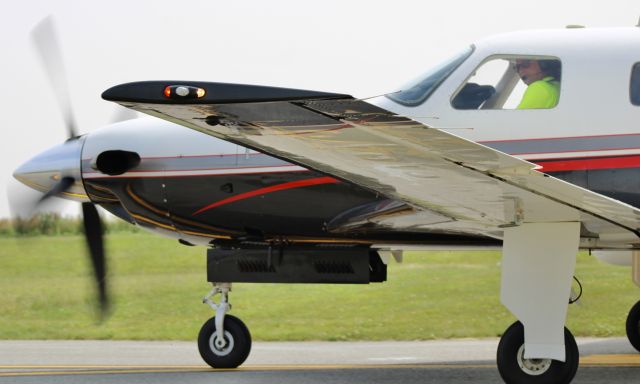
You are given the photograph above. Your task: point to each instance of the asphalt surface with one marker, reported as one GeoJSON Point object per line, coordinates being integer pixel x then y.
{"type": "Point", "coordinates": [454, 361]}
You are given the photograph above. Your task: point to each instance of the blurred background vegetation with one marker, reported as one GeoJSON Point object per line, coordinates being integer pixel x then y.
{"type": "Point", "coordinates": [51, 224]}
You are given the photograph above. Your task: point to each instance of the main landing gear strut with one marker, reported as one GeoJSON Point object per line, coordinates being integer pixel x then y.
{"type": "Point", "coordinates": [224, 341]}
{"type": "Point", "coordinates": [536, 287]}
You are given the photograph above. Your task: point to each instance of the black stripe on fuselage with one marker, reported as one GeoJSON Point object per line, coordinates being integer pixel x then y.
{"type": "Point", "coordinates": [566, 144]}
{"type": "Point", "coordinates": [622, 184]}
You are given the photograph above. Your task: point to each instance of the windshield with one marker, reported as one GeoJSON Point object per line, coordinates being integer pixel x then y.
{"type": "Point", "coordinates": [416, 92]}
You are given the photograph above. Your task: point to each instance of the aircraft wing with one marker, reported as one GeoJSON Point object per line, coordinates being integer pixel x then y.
{"type": "Point", "coordinates": [454, 185]}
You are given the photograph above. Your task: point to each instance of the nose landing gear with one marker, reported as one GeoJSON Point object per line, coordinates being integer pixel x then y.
{"type": "Point", "coordinates": [224, 340]}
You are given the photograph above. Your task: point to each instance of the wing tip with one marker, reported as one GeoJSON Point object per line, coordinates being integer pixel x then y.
{"type": "Point", "coordinates": [216, 93]}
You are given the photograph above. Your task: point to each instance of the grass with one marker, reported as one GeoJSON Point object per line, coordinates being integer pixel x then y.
{"type": "Point", "coordinates": [46, 293]}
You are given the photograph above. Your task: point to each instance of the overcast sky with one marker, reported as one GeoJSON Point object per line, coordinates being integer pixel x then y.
{"type": "Point", "coordinates": [363, 48]}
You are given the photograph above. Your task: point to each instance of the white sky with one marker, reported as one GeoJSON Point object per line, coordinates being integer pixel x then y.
{"type": "Point", "coordinates": [363, 48]}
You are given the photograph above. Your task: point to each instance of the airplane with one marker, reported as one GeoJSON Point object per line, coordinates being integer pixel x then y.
{"type": "Point", "coordinates": [294, 186]}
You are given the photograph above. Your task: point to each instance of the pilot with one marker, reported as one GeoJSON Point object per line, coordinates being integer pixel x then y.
{"type": "Point", "coordinates": [543, 80]}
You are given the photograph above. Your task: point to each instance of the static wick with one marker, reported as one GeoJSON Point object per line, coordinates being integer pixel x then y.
{"type": "Point", "coordinates": [426, 117]}
{"type": "Point", "coordinates": [373, 97]}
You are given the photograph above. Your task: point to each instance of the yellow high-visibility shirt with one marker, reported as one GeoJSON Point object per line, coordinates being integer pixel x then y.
{"type": "Point", "coordinates": [541, 94]}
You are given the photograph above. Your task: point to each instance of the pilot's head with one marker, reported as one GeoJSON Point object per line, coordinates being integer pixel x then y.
{"type": "Point", "coordinates": [533, 70]}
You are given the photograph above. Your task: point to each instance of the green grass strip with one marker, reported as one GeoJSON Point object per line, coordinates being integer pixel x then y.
{"type": "Point", "coordinates": [157, 285]}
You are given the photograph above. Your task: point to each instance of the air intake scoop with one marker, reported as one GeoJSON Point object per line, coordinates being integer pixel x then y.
{"type": "Point", "coordinates": [116, 162]}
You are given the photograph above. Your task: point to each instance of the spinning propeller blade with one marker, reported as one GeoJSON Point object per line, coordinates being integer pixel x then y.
{"type": "Point", "coordinates": [62, 186]}
{"type": "Point", "coordinates": [93, 234]}
{"type": "Point", "coordinates": [45, 40]}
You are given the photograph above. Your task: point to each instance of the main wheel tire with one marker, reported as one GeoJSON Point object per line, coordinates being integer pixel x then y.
{"type": "Point", "coordinates": [236, 349]}
{"type": "Point", "coordinates": [515, 369]}
{"type": "Point", "coordinates": [633, 326]}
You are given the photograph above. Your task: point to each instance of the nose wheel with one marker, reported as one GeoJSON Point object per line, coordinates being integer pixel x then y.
{"type": "Point", "coordinates": [515, 369]}
{"type": "Point", "coordinates": [228, 352]}
{"type": "Point", "coordinates": [633, 326]}
{"type": "Point", "coordinates": [224, 340]}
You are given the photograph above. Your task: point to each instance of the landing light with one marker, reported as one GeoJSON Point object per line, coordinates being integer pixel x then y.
{"type": "Point", "coordinates": [183, 92]}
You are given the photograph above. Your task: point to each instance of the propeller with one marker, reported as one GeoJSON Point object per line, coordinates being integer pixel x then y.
{"type": "Point", "coordinates": [25, 203]}
{"type": "Point", "coordinates": [45, 41]}
{"type": "Point", "coordinates": [123, 114]}
{"type": "Point", "coordinates": [93, 233]}
{"type": "Point", "coordinates": [46, 44]}
{"type": "Point", "coordinates": [62, 186]}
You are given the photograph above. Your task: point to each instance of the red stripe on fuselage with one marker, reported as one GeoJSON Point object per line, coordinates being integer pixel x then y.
{"type": "Point", "coordinates": [273, 188]}
{"type": "Point", "coordinates": [587, 164]}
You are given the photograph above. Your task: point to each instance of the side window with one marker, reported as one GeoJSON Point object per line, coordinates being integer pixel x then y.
{"type": "Point", "coordinates": [634, 90]}
{"type": "Point", "coordinates": [513, 82]}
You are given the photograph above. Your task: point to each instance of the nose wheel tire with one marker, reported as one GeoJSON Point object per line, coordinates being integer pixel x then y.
{"type": "Point", "coordinates": [515, 369]}
{"type": "Point", "coordinates": [633, 326]}
{"type": "Point", "coordinates": [229, 353]}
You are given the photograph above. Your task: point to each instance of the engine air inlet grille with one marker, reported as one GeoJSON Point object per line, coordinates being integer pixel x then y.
{"type": "Point", "coordinates": [333, 267]}
{"type": "Point", "coordinates": [255, 266]}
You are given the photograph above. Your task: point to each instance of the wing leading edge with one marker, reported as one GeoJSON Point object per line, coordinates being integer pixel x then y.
{"type": "Point", "coordinates": [471, 188]}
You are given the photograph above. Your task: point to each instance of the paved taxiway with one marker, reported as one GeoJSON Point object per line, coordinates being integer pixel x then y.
{"type": "Point", "coordinates": [452, 361]}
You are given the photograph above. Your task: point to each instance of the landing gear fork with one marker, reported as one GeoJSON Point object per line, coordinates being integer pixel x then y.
{"type": "Point", "coordinates": [221, 309]}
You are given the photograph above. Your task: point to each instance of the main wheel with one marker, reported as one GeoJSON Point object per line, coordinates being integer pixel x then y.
{"type": "Point", "coordinates": [515, 369]}
{"type": "Point", "coordinates": [633, 326]}
{"type": "Point", "coordinates": [236, 347]}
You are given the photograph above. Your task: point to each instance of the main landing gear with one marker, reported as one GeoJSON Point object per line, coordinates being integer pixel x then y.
{"type": "Point", "coordinates": [515, 369]}
{"type": "Point", "coordinates": [224, 341]}
{"type": "Point", "coordinates": [633, 319]}
{"type": "Point", "coordinates": [633, 326]}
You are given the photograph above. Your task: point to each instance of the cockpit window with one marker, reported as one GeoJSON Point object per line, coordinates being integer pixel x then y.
{"type": "Point", "coordinates": [416, 92]}
{"type": "Point", "coordinates": [511, 82]}
{"type": "Point", "coordinates": [634, 91]}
